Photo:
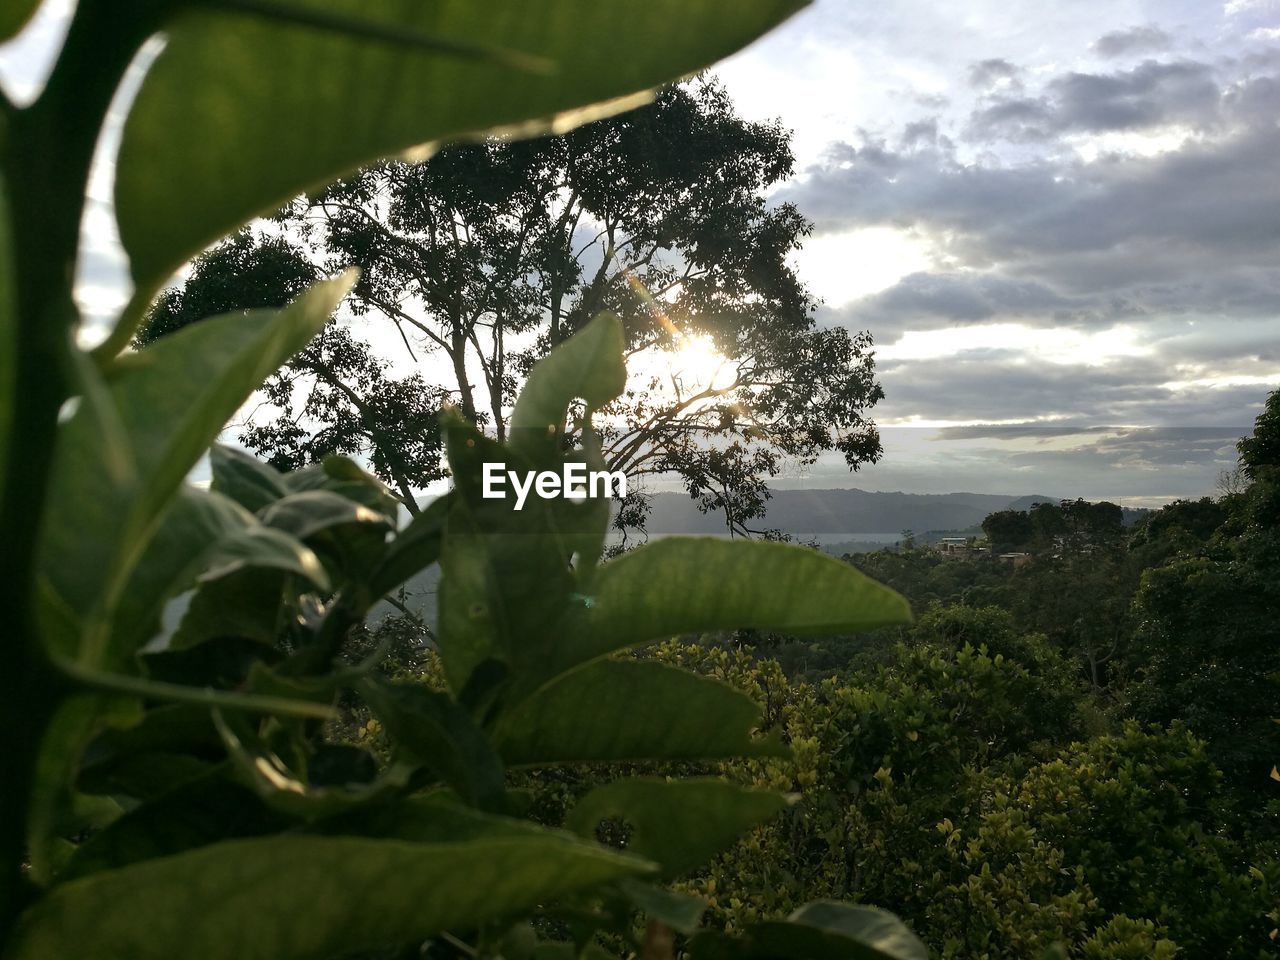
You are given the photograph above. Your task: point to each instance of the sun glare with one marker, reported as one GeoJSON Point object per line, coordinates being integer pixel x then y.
{"type": "Point", "coordinates": [697, 365]}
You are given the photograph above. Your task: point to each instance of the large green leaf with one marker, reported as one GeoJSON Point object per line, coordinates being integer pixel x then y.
{"type": "Point", "coordinates": [77, 720]}
{"type": "Point", "coordinates": [305, 514]}
{"type": "Point", "coordinates": [202, 534]}
{"type": "Point", "coordinates": [505, 578]}
{"type": "Point", "coordinates": [679, 824]}
{"type": "Point", "coordinates": [828, 930]}
{"type": "Point", "coordinates": [225, 125]}
{"type": "Point", "coordinates": [414, 548]}
{"type": "Point", "coordinates": [612, 710]}
{"type": "Point", "coordinates": [588, 365]}
{"type": "Point", "coordinates": [430, 728]}
{"type": "Point", "coordinates": [693, 584]}
{"type": "Point", "coordinates": [172, 399]}
{"type": "Point", "coordinates": [244, 478]}
{"type": "Point", "coordinates": [305, 897]}
{"type": "Point", "coordinates": [195, 813]}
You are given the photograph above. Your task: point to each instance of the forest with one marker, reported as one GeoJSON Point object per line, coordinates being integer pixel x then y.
{"type": "Point", "coordinates": [374, 250]}
{"type": "Point", "coordinates": [1080, 750]}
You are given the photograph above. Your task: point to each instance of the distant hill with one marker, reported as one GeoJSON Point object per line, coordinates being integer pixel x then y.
{"type": "Point", "coordinates": [846, 511]}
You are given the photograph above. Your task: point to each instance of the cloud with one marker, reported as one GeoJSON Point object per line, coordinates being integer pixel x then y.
{"type": "Point", "coordinates": [1057, 236]}
{"type": "Point", "coordinates": [1119, 43]}
{"type": "Point", "coordinates": [988, 73]}
{"type": "Point", "coordinates": [1153, 94]}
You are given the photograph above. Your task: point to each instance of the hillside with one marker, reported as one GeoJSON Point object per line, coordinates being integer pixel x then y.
{"type": "Point", "coordinates": [845, 511]}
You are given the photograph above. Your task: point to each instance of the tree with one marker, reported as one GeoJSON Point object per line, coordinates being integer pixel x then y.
{"type": "Point", "coordinates": [1008, 530]}
{"type": "Point", "coordinates": [481, 259]}
{"type": "Point", "coordinates": [337, 385]}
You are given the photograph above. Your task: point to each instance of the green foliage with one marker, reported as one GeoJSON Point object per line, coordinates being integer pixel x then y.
{"type": "Point", "coordinates": [173, 791]}
{"type": "Point", "coordinates": [478, 261]}
{"type": "Point", "coordinates": [324, 816]}
{"type": "Point", "coordinates": [954, 788]}
{"type": "Point", "coordinates": [255, 75]}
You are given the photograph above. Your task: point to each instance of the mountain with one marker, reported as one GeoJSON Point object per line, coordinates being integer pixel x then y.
{"type": "Point", "coordinates": [845, 511]}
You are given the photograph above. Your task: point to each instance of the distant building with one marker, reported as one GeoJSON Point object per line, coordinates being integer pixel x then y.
{"type": "Point", "coordinates": [961, 548]}
{"type": "Point", "coordinates": [1017, 559]}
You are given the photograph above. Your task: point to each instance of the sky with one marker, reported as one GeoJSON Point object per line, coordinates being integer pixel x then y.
{"type": "Point", "coordinates": [1061, 223]}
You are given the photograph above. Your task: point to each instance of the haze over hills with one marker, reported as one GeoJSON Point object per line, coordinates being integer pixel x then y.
{"type": "Point", "coordinates": [846, 511]}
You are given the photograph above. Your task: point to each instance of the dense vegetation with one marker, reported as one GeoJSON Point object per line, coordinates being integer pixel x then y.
{"type": "Point", "coordinates": [1074, 751]}
{"type": "Point", "coordinates": [1070, 755]}
{"type": "Point", "coordinates": [1078, 749]}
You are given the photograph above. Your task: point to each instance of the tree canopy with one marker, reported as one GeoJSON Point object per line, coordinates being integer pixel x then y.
{"type": "Point", "coordinates": [479, 260]}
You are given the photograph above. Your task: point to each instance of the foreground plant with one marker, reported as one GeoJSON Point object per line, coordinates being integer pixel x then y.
{"type": "Point", "coordinates": [172, 793]}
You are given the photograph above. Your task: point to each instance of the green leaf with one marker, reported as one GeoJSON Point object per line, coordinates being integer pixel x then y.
{"type": "Point", "coordinates": [611, 710]}
{"type": "Point", "coordinates": [265, 772]}
{"type": "Point", "coordinates": [305, 896]}
{"type": "Point", "coordinates": [679, 824]}
{"type": "Point", "coordinates": [305, 514]}
{"type": "Point", "coordinates": [345, 477]}
{"type": "Point", "coordinates": [246, 88]}
{"type": "Point", "coordinates": [244, 478]}
{"type": "Point", "coordinates": [248, 604]}
{"type": "Point", "coordinates": [77, 721]}
{"type": "Point", "coordinates": [430, 818]}
{"type": "Point", "coordinates": [194, 814]}
{"type": "Point", "coordinates": [679, 911]}
{"type": "Point", "coordinates": [588, 365]}
{"type": "Point", "coordinates": [172, 398]}
{"type": "Point", "coordinates": [694, 584]}
{"type": "Point", "coordinates": [414, 548]}
{"type": "Point", "coordinates": [505, 577]}
{"type": "Point", "coordinates": [430, 728]}
{"type": "Point", "coordinates": [827, 930]}
{"type": "Point", "coordinates": [202, 535]}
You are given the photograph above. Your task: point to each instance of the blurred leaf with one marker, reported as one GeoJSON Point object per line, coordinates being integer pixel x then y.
{"type": "Point", "coordinates": [680, 824]}
{"type": "Point", "coordinates": [173, 558]}
{"type": "Point", "coordinates": [173, 398]}
{"type": "Point", "coordinates": [414, 548]}
{"type": "Point", "coordinates": [827, 930]}
{"type": "Point", "coordinates": [77, 721]}
{"type": "Point", "coordinates": [612, 710]}
{"type": "Point", "coordinates": [430, 728]}
{"type": "Point", "coordinates": [245, 90]}
{"type": "Point", "coordinates": [679, 911]}
{"type": "Point", "coordinates": [244, 478]}
{"type": "Point", "coordinates": [505, 578]}
{"type": "Point", "coordinates": [588, 365]}
{"type": "Point", "coordinates": [223, 662]}
{"type": "Point", "coordinates": [170, 744]}
{"type": "Point", "coordinates": [697, 584]}
{"type": "Point", "coordinates": [194, 814]}
{"type": "Point", "coordinates": [305, 896]}
{"type": "Point", "coordinates": [305, 514]}
{"type": "Point", "coordinates": [265, 772]}
{"type": "Point", "coordinates": [345, 477]}
{"type": "Point", "coordinates": [436, 817]}
{"type": "Point", "coordinates": [247, 604]}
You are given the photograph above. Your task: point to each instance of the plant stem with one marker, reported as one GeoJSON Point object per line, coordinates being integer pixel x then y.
{"type": "Point", "coordinates": [47, 151]}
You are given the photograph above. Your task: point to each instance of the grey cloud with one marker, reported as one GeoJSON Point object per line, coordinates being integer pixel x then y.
{"type": "Point", "coordinates": [1118, 43]}
{"type": "Point", "coordinates": [1150, 95]}
{"type": "Point", "coordinates": [986, 73]}
{"type": "Point", "coordinates": [1194, 231]}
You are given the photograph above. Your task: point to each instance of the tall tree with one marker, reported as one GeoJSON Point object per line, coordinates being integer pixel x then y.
{"type": "Point", "coordinates": [479, 260]}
